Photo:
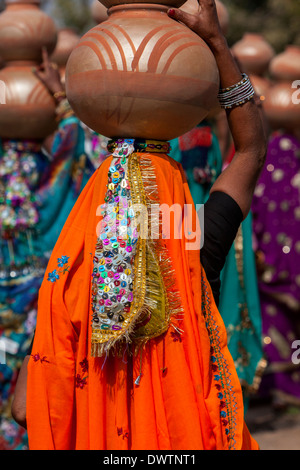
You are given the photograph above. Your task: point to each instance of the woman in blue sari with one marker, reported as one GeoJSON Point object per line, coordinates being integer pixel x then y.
{"type": "Point", "coordinates": [38, 189]}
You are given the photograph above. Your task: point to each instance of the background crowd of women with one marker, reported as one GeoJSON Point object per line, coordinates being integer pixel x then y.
{"type": "Point", "coordinates": [259, 301]}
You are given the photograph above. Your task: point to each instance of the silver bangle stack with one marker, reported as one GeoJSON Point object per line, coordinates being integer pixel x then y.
{"type": "Point", "coordinates": [236, 95]}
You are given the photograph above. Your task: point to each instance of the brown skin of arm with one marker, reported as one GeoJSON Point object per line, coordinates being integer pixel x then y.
{"type": "Point", "coordinates": [18, 409]}
{"type": "Point", "coordinates": [239, 179]}
{"type": "Point", "coordinates": [245, 122]}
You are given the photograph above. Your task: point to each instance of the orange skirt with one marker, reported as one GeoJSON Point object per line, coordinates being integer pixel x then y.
{"type": "Point", "coordinates": [189, 396]}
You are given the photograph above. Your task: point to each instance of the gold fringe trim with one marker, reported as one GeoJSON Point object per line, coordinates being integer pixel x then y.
{"type": "Point", "coordinates": [161, 276]}
{"type": "Point", "coordinates": [155, 295]}
{"type": "Point", "coordinates": [100, 345]}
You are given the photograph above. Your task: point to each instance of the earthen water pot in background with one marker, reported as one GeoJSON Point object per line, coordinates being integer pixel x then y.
{"type": "Point", "coordinates": [99, 12]}
{"type": "Point", "coordinates": [253, 53]}
{"type": "Point", "coordinates": [24, 30]}
{"type": "Point", "coordinates": [67, 39]}
{"type": "Point", "coordinates": [261, 85]}
{"type": "Point", "coordinates": [282, 104]}
{"type": "Point", "coordinates": [223, 15]}
{"type": "Point", "coordinates": [282, 107]}
{"type": "Point", "coordinates": [286, 66]}
{"type": "Point", "coordinates": [192, 7]}
{"type": "Point", "coordinates": [141, 75]}
{"type": "Point", "coordinates": [29, 112]}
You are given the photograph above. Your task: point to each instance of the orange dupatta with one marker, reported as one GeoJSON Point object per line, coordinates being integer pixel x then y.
{"type": "Point", "coordinates": [188, 395]}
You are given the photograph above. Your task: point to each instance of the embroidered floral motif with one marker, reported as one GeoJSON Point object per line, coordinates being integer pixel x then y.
{"type": "Point", "coordinates": [37, 357]}
{"type": "Point", "coordinates": [61, 263]}
{"type": "Point", "coordinates": [176, 336]}
{"type": "Point", "coordinates": [53, 276]}
{"type": "Point", "coordinates": [221, 374]}
{"type": "Point", "coordinates": [84, 365]}
{"type": "Point", "coordinates": [124, 434]}
{"type": "Point", "coordinates": [80, 380]}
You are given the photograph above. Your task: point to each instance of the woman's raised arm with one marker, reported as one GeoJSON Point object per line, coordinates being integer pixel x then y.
{"type": "Point", "coordinates": [240, 177]}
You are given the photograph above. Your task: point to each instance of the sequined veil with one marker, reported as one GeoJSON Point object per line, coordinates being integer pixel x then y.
{"type": "Point", "coordinates": [133, 289]}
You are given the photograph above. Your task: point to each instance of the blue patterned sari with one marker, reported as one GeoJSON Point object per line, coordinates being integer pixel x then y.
{"type": "Point", "coordinates": [37, 193]}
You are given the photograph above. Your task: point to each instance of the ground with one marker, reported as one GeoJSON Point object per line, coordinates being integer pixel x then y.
{"type": "Point", "coordinates": [274, 429]}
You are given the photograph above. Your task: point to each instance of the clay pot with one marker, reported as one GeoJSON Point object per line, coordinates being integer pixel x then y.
{"type": "Point", "coordinates": [99, 12]}
{"type": "Point", "coordinates": [253, 53]}
{"type": "Point", "coordinates": [282, 107]}
{"type": "Point", "coordinates": [286, 66]}
{"type": "Point", "coordinates": [67, 39]}
{"type": "Point", "coordinates": [29, 112]}
{"type": "Point", "coordinates": [192, 7]}
{"type": "Point", "coordinates": [261, 85]}
{"type": "Point", "coordinates": [25, 30]}
{"type": "Point", "coordinates": [141, 75]}
{"type": "Point", "coordinates": [169, 3]}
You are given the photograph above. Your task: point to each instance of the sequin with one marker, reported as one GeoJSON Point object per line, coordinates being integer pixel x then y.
{"type": "Point", "coordinates": [116, 246]}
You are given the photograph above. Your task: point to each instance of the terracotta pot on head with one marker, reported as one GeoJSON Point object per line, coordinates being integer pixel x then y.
{"type": "Point", "coordinates": [192, 7]}
{"type": "Point", "coordinates": [282, 104]}
{"type": "Point", "coordinates": [141, 74]}
{"type": "Point", "coordinates": [282, 107]}
{"type": "Point", "coordinates": [67, 39]}
{"type": "Point", "coordinates": [99, 12]}
{"type": "Point", "coordinates": [286, 66]}
{"type": "Point", "coordinates": [261, 85]}
{"type": "Point", "coordinates": [29, 112]}
{"type": "Point", "coordinates": [253, 53]}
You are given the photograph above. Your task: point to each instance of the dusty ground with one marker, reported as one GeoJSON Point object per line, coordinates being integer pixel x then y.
{"type": "Point", "coordinates": [274, 430]}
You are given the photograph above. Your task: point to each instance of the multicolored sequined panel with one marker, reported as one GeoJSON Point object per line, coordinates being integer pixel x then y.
{"type": "Point", "coordinates": [127, 283]}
